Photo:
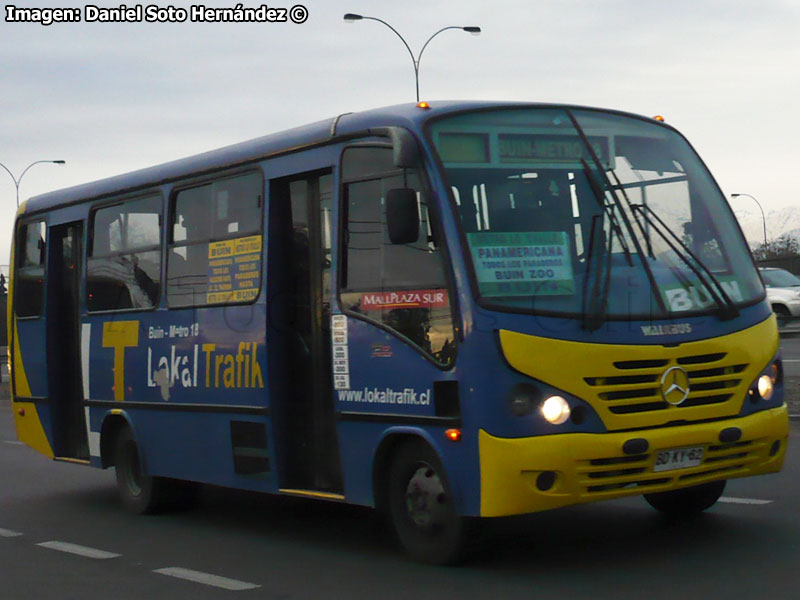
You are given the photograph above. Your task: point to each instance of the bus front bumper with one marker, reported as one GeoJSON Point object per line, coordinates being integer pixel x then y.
{"type": "Point", "coordinates": [524, 475]}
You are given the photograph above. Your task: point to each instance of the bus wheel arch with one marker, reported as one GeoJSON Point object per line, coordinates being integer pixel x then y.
{"type": "Point", "coordinates": [418, 498]}
{"type": "Point", "coordinates": [381, 465]}
{"type": "Point", "coordinates": [109, 432]}
{"type": "Point", "coordinates": [139, 492]}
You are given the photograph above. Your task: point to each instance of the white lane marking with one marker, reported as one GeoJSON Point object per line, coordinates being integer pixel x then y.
{"type": "Point", "coordinates": [16, 443]}
{"type": "Point", "coordinates": [79, 550]}
{"type": "Point", "coordinates": [207, 579]}
{"type": "Point", "coordinates": [9, 533]}
{"type": "Point", "coordinates": [731, 500]}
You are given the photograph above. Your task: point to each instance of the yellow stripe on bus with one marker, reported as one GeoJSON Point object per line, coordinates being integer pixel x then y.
{"type": "Point", "coordinates": [21, 385]}
{"type": "Point", "coordinates": [29, 428]}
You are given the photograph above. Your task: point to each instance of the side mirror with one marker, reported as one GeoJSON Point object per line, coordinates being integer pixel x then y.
{"type": "Point", "coordinates": [405, 150]}
{"type": "Point", "coordinates": [402, 216]}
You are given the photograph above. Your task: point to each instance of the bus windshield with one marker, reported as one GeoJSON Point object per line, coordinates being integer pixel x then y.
{"type": "Point", "coordinates": [583, 213]}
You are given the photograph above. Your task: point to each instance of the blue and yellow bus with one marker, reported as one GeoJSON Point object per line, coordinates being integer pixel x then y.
{"type": "Point", "coordinates": [443, 311]}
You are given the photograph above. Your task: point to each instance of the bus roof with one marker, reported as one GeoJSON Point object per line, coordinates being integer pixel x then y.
{"type": "Point", "coordinates": [321, 132]}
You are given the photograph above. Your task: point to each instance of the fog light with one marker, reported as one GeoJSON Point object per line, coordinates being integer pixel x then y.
{"type": "Point", "coordinates": [555, 410]}
{"type": "Point", "coordinates": [765, 387]}
{"type": "Point", "coordinates": [545, 480]}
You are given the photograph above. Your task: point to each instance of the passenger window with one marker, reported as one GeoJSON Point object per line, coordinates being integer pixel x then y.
{"type": "Point", "coordinates": [402, 286]}
{"type": "Point", "coordinates": [123, 269]}
{"type": "Point", "coordinates": [215, 246]}
{"type": "Point", "coordinates": [30, 271]}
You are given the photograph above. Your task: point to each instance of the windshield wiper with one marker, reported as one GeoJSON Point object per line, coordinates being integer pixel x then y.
{"type": "Point", "coordinates": [600, 196]}
{"type": "Point", "coordinates": [719, 295]}
{"type": "Point", "coordinates": [728, 309]}
{"type": "Point", "coordinates": [595, 303]}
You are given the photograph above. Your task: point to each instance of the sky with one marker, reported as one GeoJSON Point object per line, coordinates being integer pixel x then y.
{"type": "Point", "coordinates": [109, 98]}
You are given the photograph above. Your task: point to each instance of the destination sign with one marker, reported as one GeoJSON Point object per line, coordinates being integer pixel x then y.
{"type": "Point", "coordinates": [527, 148]}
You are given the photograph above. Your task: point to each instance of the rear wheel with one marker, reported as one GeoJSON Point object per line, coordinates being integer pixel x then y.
{"type": "Point", "coordinates": [139, 492]}
{"type": "Point", "coordinates": [422, 507]}
{"type": "Point", "coordinates": [687, 501]}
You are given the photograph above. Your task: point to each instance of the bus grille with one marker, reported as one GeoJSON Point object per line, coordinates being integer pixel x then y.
{"type": "Point", "coordinates": [612, 474]}
{"type": "Point", "coordinates": [635, 387]}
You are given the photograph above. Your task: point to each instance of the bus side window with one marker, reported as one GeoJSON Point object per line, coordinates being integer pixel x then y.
{"type": "Point", "coordinates": [401, 286]}
{"type": "Point", "coordinates": [29, 276]}
{"type": "Point", "coordinates": [215, 243]}
{"type": "Point", "coordinates": [124, 266]}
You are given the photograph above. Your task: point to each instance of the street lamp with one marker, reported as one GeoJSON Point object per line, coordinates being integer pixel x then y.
{"type": "Point", "coordinates": [352, 18]}
{"type": "Point", "coordinates": [18, 179]}
{"type": "Point", "coordinates": [763, 218]}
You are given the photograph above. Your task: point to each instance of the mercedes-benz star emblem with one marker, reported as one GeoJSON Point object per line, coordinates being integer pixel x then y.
{"type": "Point", "coordinates": [675, 385]}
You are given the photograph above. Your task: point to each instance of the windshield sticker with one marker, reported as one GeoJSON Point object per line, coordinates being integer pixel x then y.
{"type": "Point", "coordinates": [234, 270]}
{"type": "Point", "coordinates": [405, 299]}
{"type": "Point", "coordinates": [523, 263]}
{"type": "Point", "coordinates": [694, 297]}
{"type": "Point", "coordinates": [341, 354]}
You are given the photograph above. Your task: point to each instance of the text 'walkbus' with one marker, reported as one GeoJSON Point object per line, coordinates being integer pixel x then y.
{"type": "Point", "coordinates": [465, 310]}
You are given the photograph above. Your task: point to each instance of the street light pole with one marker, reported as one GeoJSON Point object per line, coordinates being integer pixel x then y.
{"type": "Point", "coordinates": [352, 18]}
{"type": "Point", "coordinates": [17, 180]}
{"type": "Point", "coordinates": [763, 218]}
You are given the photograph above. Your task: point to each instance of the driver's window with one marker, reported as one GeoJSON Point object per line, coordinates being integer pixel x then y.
{"type": "Point", "coordinates": [401, 286]}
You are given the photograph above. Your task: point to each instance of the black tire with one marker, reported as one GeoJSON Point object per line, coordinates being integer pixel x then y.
{"type": "Point", "coordinates": [782, 313]}
{"type": "Point", "coordinates": [422, 508]}
{"type": "Point", "coordinates": [687, 501]}
{"type": "Point", "coordinates": [139, 492]}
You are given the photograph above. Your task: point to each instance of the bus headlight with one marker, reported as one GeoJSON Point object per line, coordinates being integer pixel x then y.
{"type": "Point", "coordinates": [765, 387]}
{"type": "Point", "coordinates": [555, 410]}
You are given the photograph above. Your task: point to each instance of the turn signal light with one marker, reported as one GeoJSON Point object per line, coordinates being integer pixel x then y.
{"type": "Point", "coordinates": [454, 435]}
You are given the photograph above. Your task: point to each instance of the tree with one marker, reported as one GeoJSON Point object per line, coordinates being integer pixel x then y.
{"type": "Point", "coordinates": [782, 247]}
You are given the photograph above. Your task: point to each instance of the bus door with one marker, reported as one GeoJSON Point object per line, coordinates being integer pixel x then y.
{"type": "Point", "coordinates": [63, 341]}
{"type": "Point", "coordinates": [300, 279]}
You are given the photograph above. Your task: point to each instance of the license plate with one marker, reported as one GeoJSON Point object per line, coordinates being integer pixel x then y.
{"type": "Point", "coordinates": [678, 458]}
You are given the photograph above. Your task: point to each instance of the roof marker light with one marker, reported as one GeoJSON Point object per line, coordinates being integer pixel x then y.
{"type": "Point", "coordinates": [659, 118]}
{"type": "Point", "coordinates": [423, 104]}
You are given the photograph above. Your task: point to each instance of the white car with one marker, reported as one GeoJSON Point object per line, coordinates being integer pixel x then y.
{"type": "Point", "coordinates": [783, 292]}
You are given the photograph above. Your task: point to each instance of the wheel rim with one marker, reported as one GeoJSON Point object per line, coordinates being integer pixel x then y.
{"type": "Point", "coordinates": [426, 499]}
{"type": "Point", "coordinates": [132, 472]}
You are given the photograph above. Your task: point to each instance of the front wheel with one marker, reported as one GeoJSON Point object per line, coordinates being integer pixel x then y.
{"type": "Point", "coordinates": [139, 492]}
{"type": "Point", "coordinates": [782, 314]}
{"type": "Point", "coordinates": [422, 507]}
{"type": "Point", "coordinates": [687, 501]}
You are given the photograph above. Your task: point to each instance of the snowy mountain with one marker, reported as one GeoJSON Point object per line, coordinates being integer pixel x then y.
{"type": "Point", "coordinates": [780, 221]}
